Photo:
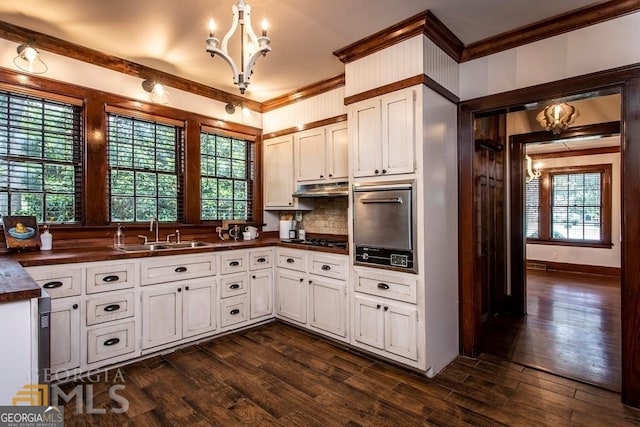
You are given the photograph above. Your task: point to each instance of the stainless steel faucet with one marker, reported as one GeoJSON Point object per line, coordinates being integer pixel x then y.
{"type": "Point", "coordinates": [155, 221]}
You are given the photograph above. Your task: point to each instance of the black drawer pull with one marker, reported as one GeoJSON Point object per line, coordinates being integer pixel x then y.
{"type": "Point", "coordinates": [383, 286]}
{"type": "Point", "coordinates": [291, 260]}
{"type": "Point", "coordinates": [235, 286]}
{"type": "Point", "coordinates": [112, 307]}
{"type": "Point", "coordinates": [261, 259]}
{"type": "Point", "coordinates": [180, 269]}
{"type": "Point", "coordinates": [234, 263]}
{"type": "Point", "coordinates": [112, 278]}
{"type": "Point", "coordinates": [112, 341]}
{"type": "Point", "coordinates": [235, 311]}
{"type": "Point", "coordinates": [52, 285]}
{"type": "Point", "coordinates": [325, 267]}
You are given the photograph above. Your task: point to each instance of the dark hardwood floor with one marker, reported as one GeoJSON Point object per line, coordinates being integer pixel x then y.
{"type": "Point", "coordinates": [572, 328]}
{"type": "Point", "coordinates": [278, 375]}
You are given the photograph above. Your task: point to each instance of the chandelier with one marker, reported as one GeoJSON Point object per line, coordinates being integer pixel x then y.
{"type": "Point", "coordinates": [251, 46]}
{"type": "Point", "coordinates": [557, 117]}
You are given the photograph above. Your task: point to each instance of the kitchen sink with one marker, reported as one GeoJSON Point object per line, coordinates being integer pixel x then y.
{"type": "Point", "coordinates": [158, 246]}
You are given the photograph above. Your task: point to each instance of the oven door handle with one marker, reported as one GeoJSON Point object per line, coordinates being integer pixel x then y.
{"type": "Point", "coordinates": [383, 200]}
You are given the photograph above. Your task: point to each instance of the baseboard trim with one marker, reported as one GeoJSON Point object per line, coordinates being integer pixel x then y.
{"type": "Point", "coordinates": [574, 268]}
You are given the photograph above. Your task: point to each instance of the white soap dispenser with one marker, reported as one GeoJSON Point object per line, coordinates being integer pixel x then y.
{"type": "Point", "coordinates": [46, 239]}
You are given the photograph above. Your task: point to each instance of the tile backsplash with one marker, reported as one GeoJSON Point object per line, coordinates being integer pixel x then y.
{"type": "Point", "coordinates": [328, 217]}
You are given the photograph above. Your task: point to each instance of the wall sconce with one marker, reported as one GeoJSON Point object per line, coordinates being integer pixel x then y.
{"type": "Point", "coordinates": [557, 117]}
{"type": "Point", "coordinates": [158, 92]}
{"type": "Point", "coordinates": [531, 172]}
{"type": "Point", "coordinates": [29, 60]}
{"type": "Point", "coordinates": [230, 108]}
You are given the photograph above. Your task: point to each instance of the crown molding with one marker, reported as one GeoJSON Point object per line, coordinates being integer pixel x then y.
{"type": "Point", "coordinates": [554, 26]}
{"type": "Point", "coordinates": [304, 93]}
{"type": "Point", "coordinates": [81, 53]}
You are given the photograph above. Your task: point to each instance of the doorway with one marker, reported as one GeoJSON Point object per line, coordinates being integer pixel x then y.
{"type": "Point", "coordinates": [569, 287]}
{"type": "Point", "coordinates": [625, 81]}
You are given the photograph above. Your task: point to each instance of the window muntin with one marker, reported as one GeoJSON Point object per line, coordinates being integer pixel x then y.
{"type": "Point", "coordinates": [227, 167]}
{"type": "Point", "coordinates": [40, 158]}
{"type": "Point", "coordinates": [573, 206]}
{"type": "Point", "coordinates": [145, 169]}
{"type": "Point", "coordinates": [576, 206]}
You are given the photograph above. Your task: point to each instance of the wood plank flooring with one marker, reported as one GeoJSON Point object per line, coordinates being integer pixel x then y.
{"type": "Point", "coordinates": [572, 328]}
{"type": "Point", "coordinates": [278, 375]}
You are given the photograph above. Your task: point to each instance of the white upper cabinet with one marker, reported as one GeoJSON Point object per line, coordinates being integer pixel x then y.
{"type": "Point", "coordinates": [321, 154]}
{"type": "Point", "coordinates": [382, 131]}
{"type": "Point", "coordinates": [279, 182]}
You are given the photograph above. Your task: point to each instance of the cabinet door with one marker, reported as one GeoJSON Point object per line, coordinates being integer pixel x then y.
{"type": "Point", "coordinates": [337, 141]}
{"type": "Point", "coordinates": [292, 295]}
{"type": "Point", "coordinates": [327, 305]}
{"type": "Point", "coordinates": [161, 315]}
{"type": "Point", "coordinates": [398, 132]}
{"type": "Point", "coordinates": [310, 155]}
{"type": "Point", "coordinates": [401, 331]}
{"type": "Point", "coordinates": [198, 307]}
{"type": "Point", "coordinates": [369, 322]}
{"type": "Point", "coordinates": [364, 131]}
{"type": "Point", "coordinates": [261, 293]}
{"type": "Point", "coordinates": [65, 334]}
{"type": "Point", "coordinates": [278, 172]}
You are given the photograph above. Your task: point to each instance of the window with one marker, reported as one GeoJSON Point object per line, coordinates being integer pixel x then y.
{"type": "Point", "coordinates": [40, 157]}
{"type": "Point", "coordinates": [145, 169]}
{"type": "Point", "coordinates": [227, 174]}
{"type": "Point", "coordinates": [570, 205]}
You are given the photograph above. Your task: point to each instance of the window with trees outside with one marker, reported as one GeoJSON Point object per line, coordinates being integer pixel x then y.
{"type": "Point", "coordinates": [227, 175]}
{"type": "Point", "coordinates": [570, 206]}
{"type": "Point", "coordinates": [145, 169]}
{"type": "Point", "coordinates": [40, 157]}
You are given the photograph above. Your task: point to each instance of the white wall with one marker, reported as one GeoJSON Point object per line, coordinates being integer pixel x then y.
{"type": "Point", "coordinates": [579, 255]}
{"type": "Point", "coordinates": [598, 47]}
{"type": "Point", "coordinates": [87, 75]}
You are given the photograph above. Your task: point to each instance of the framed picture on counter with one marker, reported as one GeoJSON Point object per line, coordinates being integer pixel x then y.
{"type": "Point", "coordinates": [21, 232]}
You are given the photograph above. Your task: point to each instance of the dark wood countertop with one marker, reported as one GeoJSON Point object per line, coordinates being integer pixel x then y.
{"type": "Point", "coordinates": [15, 283]}
{"type": "Point", "coordinates": [104, 253]}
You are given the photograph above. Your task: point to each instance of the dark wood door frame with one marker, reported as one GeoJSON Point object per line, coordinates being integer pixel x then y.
{"type": "Point", "coordinates": [625, 80]}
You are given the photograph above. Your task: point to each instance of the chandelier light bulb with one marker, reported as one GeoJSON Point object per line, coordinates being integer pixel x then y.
{"type": "Point", "coordinates": [212, 27]}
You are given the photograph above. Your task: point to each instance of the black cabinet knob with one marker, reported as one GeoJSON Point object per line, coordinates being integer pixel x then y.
{"type": "Point", "coordinates": [376, 171]}
{"type": "Point", "coordinates": [384, 171]}
{"type": "Point", "coordinates": [378, 306]}
{"type": "Point", "coordinates": [74, 306]}
{"type": "Point", "coordinates": [179, 289]}
{"type": "Point", "coordinates": [386, 308]}
{"type": "Point", "coordinates": [186, 288]}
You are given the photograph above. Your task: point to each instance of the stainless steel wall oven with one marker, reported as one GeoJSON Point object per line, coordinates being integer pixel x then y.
{"type": "Point", "coordinates": [384, 225]}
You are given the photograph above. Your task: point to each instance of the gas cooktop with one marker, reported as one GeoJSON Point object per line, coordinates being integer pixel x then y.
{"type": "Point", "coordinates": [326, 243]}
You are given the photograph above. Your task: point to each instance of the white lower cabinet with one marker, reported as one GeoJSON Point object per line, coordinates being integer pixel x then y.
{"type": "Point", "coordinates": [327, 305]}
{"type": "Point", "coordinates": [311, 290]}
{"type": "Point", "coordinates": [65, 335]}
{"type": "Point", "coordinates": [386, 325]}
{"type": "Point", "coordinates": [174, 311]}
{"type": "Point", "coordinates": [291, 291]}
{"type": "Point", "coordinates": [261, 294]}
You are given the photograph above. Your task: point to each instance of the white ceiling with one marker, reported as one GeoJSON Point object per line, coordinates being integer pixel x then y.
{"type": "Point", "coordinates": [169, 35]}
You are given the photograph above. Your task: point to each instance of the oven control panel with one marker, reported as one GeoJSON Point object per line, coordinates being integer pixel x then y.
{"type": "Point", "coordinates": [371, 256]}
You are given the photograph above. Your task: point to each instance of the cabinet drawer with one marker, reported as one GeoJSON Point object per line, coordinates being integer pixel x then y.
{"type": "Point", "coordinates": [260, 259]}
{"type": "Point", "coordinates": [101, 278]}
{"type": "Point", "coordinates": [234, 262]}
{"type": "Point", "coordinates": [234, 310]}
{"type": "Point", "coordinates": [110, 307]}
{"type": "Point", "coordinates": [293, 260]}
{"type": "Point", "coordinates": [234, 285]}
{"type": "Point", "coordinates": [334, 267]}
{"type": "Point", "coordinates": [171, 268]}
{"type": "Point", "coordinates": [110, 341]}
{"type": "Point", "coordinates": [58, 281]}
{"type": "Point", "coordinates": [398, 287]}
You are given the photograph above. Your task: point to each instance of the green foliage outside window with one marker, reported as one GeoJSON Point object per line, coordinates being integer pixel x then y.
{"type": "Point", "coordinates": [40, 158]}
{"type": "Point", "coordinates": [226, 187]}
{"type": "Point", "coordinates": [144, 169]}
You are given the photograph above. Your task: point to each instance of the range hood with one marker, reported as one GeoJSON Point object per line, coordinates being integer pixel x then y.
{"type": "Point", "coordinates": [322, 190]}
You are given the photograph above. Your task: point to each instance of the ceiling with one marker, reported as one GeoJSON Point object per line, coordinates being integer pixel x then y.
{"type": "Point", "coordinates": [169, 35]}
